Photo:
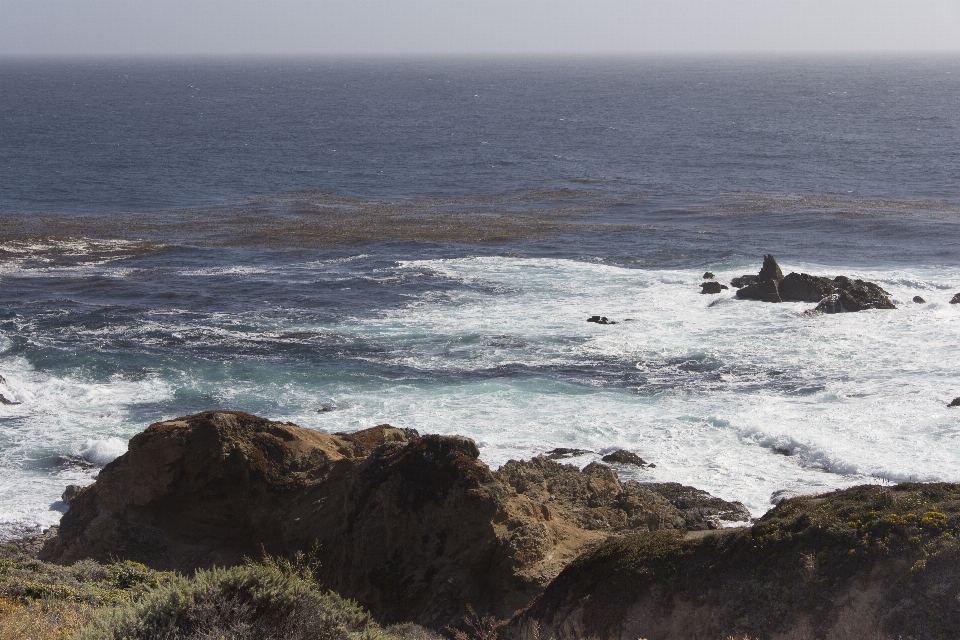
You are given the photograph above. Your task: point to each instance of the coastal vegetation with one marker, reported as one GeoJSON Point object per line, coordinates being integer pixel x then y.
{"type": "Point", "coordinates": [870, 561]}
{"type": "Point", "coordinates": [270, 599]}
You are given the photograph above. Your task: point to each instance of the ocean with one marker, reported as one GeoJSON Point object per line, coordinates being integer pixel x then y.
{"type": "Point", "coordinates": [345, 243]}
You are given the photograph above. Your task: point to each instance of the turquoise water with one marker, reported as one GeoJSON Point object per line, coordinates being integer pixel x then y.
{"type": "Point", "coordinates": [152, 267]}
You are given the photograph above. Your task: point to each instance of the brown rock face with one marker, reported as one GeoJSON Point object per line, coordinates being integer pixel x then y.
{"type": "Point", "coordinates": [836, 295]}
{"type": "Point", "coordinates": [864, 562]}
{"type": "Point", "coordinates": [415, 528]}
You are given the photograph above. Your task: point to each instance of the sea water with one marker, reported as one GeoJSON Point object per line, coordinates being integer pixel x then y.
{"type": "Point", "coordinates": [347, 243]}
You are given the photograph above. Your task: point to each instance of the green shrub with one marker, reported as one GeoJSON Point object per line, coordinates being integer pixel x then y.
{"type": "Point", "coordinates": [271, 600]}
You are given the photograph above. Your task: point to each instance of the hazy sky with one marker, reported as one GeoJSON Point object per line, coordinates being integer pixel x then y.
{"type": "Point", "coordinates": [451, 27]}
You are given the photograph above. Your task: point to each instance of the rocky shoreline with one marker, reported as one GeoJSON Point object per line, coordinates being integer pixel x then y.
{"type": "Point", "coordinates": [416, 529]}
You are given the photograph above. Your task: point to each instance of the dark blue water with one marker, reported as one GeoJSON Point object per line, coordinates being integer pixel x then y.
{"type": "Point", "coordinates": [343, 244]}
{"type": "Point", "coordinates": [126, 135]}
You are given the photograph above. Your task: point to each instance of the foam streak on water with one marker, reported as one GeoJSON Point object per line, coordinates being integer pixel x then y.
{"type": "Point", "coordinates": [347, 243]}
{"type": "Point", "coordinates": [743, 399]}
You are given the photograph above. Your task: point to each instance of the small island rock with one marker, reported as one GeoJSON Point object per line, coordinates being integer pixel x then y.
{"type": "Point", "coordinates": [622, 456]}
{"type": "Point", "coordinates": [712, 287]}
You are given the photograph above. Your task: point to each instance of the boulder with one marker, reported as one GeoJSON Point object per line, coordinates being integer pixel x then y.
{"type": "Point", "coordinates": [803, 287]}
{"type": "Point", "coordinates": [918, 300]}
{"type": "Point", "coordinates": [413, 527]}
{"type": "Point", "coordinates": [955, 299]}
{"type": "Point", "coordinates": [857, 295]}
{"type": "Point", "coordinates": [622, 456]}
{"type": "Point", "coordinates": [850, 295]}
{"type": "Point", "coordinates": [600, 320]}
{"type": "Point", "coordinates": [954, 403]}
{"type": "Point", "coordinates": [712, 287]}
{"type": "Point", "coordinates": [708, 275]}
{"type": "Point", "coordinates": [770, 269]}
{"type": "Point", "coordinates": [763, 290]}
{"type": "Point", "coordinates": [70, 492]}
{"type": "Point", "coordinates": [564, 452]}
{"type": "Point", "coordinates": [765, 286]}
{"type": "Point", "coordinates": [5, 400]}
{"type": "Point", "coordinates": [743, 281]}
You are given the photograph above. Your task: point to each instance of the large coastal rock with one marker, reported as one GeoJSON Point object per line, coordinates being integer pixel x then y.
{"type": "Point", "coordinates": [832, 295]}
{"type": "Point", "coordinates": [765, 285]}
{"type": "Point", "coordinates": [414, 528]}
{"type": "Point", "coordinates": [867, 562]}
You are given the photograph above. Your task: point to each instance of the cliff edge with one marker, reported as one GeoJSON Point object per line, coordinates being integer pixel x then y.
{"type": "Point", "coordinates": [414, 528]}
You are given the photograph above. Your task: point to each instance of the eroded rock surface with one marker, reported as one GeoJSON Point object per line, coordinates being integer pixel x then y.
{"type": "Point", "coordinates": [622, 456]}
{"type": "Point", "coordinates": [832, 295]}
{"type": "Point", "coordinates": [865, 562]}
{"type": "Point", "coordinates": [414, 528]}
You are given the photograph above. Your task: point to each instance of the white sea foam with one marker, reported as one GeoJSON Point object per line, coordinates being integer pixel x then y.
{"type": "Point", "coordinates": [750, 401]}
{"type": "Point", "coordinates": [103, 452]}
{"type": "Point", "coordinates": [850, 398]}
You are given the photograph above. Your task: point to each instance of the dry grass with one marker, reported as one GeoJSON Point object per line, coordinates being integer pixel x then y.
{"type": "Point", "coordinates": [41, 620]}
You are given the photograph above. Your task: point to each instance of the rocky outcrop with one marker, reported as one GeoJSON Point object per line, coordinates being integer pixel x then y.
{"type": "Point", "coordinates": [919, 300]}
{"type": "Point", "coordinates": [742, 281]}
{"type": "Point", "coordinates": [712, 287]}
{"type": "Point", "coordinates": [601, 320]}
{"type": "Point", "coordinates": [561, 453]}
{"type": "Point", "coordinates": [622, 456]}
{"type": "Point", "coordinates": [832, 295]}
{"type": "Point", "coordinates": [708, 275]}
{"type": "Point", "coordinates": [414, 528]}
{"type": "Point", "coordinates": [954, 403]}
{"type": "Point", "coordinates": [803, 287]}
{"type": "Point", "coordinates": [700, 509]}
{"type": "Point", "coordinates": [765, 286]}
{"type": "Point", "coordinates": [955, 299]}
{"type": "Point", "coordinates": [867, 562]}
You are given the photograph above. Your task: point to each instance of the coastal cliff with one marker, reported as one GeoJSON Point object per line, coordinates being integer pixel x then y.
{"type": "Point", "coordinates": [867, 562]}
{"type": "Point", "coordinates": [414, 528]}
{"type": "Point", "coordinates": [417, 529]}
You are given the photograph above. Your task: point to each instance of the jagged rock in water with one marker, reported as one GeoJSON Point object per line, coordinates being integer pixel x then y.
{"type": "Point", "coordinates": [763, 290]}
{"type": "Point", "coordinates": [834, 296]}
{"type": "Point", "coordinates": [413, 527]}
{"type": "Point", "coordinates": [955, 299]}
{"type": "Point", "coordinates": [770, 269]}
{"type": "Point", "coordinates": [708, 275]}
{"type": "Point", "coordinates": [600, 320]}
{"type": "Point", "coordinates": [765, 285]}
{"type": "Point", "coordinates": [857, 295]}
{"type": "Point", "coordinates": [70, 492]}
{"type": "Point", "coordinates": [919, 300]}
{"type": "Point", "coordinates": [622, 456]}
{"type": "Point", "coordinates": [803, 287]}
{"type": "Point", "coordinates": [954, 403]}
{"type": "Point", "coordinates": [743, 281]}
{"type": "Point", "coordinates": [712, 287]}
{"type": "Point", "coordinates": [563, 452]}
